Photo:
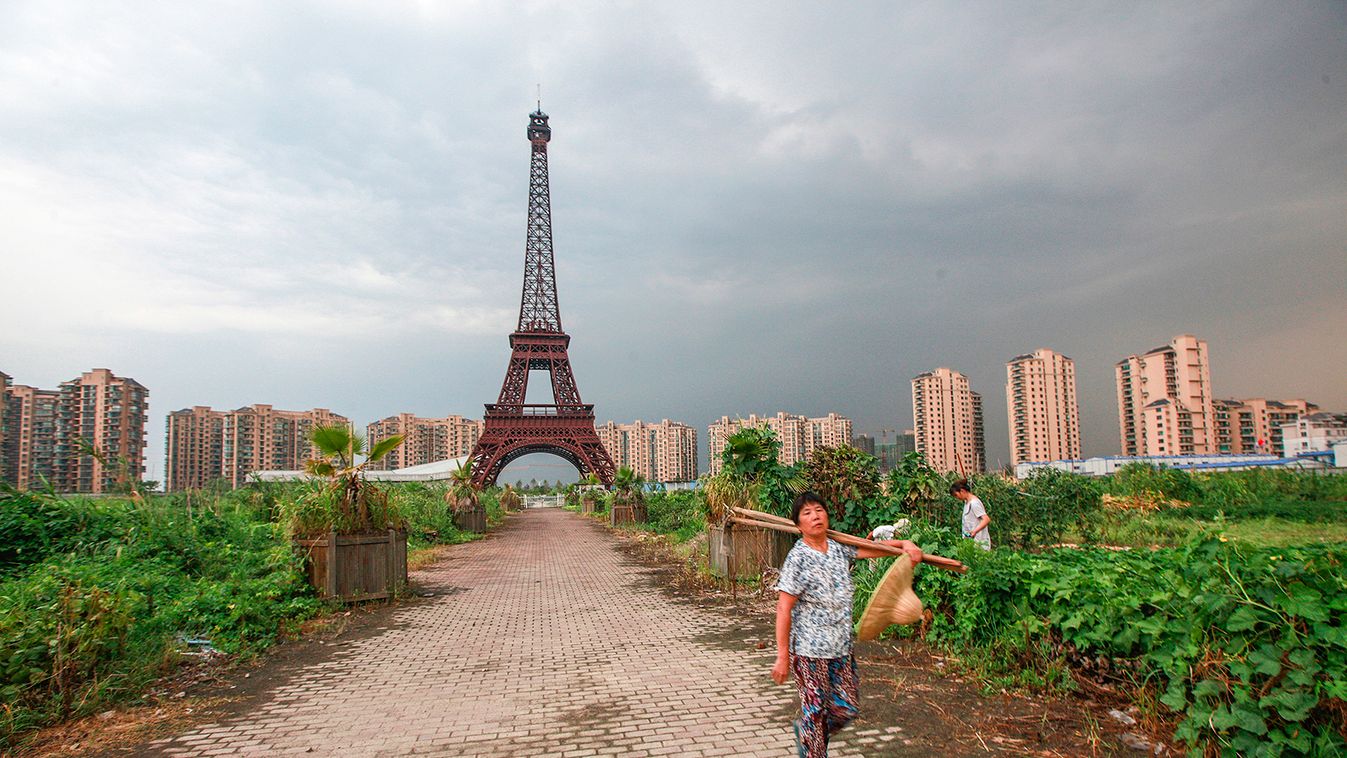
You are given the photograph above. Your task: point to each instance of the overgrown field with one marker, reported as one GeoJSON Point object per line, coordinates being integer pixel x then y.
{"type": "Point", "coordinates": [99, 596]}
{"type": "Point", "coordinates": [1243, 646]}
{"type": "Point", "coordinates": [1215, 602]}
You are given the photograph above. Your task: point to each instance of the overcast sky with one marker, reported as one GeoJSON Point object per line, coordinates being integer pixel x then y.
{"type": "Point", "coordinates": [756, 206]}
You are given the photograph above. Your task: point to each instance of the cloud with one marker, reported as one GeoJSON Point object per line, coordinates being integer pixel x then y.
{"type": "Point", "coordinates": [794, 208]}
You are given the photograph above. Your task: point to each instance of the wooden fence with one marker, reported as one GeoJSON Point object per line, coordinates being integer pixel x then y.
{"type": "Point", "coordinates": [745, 551]}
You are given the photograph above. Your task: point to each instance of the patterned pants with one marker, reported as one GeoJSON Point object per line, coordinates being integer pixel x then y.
{"type": "Point", "coordinates": [828, 699]}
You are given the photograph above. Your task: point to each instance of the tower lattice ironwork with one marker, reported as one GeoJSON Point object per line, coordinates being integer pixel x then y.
{"type": "Point", "coordinates": [564, 427]}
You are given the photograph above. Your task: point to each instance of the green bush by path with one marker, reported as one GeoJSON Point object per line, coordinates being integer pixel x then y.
{"type": "Point", "coordinates": [681, 514]}
{"type": "Point", "coordinates": [98, 594]}
{"type": "Point", "coordinates": [101, 610]}
{"type": "Point", "coordinates": [1246, 647]}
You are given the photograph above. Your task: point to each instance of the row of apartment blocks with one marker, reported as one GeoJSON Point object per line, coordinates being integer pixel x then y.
{"type": "Point", "coordinates": [426, 440]}
{"type": "Point", "coordinates": [800, 436]}
{"type": "Point", "coordinates": [663, 452]}
{"type": "Point", "coordinates": [86, 436]}
{"type": "Point", "coordinates": [204, 445]}
{"type": "Point", "coordinates": [1165, 407]}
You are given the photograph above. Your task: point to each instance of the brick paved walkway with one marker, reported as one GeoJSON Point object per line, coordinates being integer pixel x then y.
{"type": "Point", "coordinates": [541, 640]}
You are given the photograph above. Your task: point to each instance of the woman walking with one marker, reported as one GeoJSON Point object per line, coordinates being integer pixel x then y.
{"type": "Point", "coordinates": [814, 628]}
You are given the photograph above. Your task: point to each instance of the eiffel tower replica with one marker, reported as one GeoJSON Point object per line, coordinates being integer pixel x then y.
{"type": "Point", "coordinates": [564, 427]}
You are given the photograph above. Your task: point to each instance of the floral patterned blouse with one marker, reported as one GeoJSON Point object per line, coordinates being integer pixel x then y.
{"type": "Point", "coordinates": [820, 622]}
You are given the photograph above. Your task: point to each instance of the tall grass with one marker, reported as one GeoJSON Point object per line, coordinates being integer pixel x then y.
{"type": "Point", "coordinates": [97, 595]}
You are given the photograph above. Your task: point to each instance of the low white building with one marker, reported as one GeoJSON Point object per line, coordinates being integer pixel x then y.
{"type": "Point", "coordinates": [436, 471]}
{"type": "Point", "coordinates": [1104, 466]}
{"type": "Point", "coordinates": [1317, 431]}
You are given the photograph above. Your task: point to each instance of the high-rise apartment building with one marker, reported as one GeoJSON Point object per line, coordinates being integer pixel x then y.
{"type": "Point", "coordinates": [262, 438]}
{"type": "Point", "coordinates": [1041, 407]}
{"type": "Point", "coordinates": [5, 437]}
{"type": "Point", "coordinates": [426, 439]}
{"type": "Point", "coordinates": [864, 443]}
{"type": "Point", "coordinates": [888, 453]}
{"type": "Point", "coordinates": [194, 446]}
{"type": "Point", "coordinates": [30, 442]}
{"type": "Point", "coordinates": [664, 452]}
{"type": "Point", "coordinates": [1255, 425]}
{"type": "Point", "coordinates": [800, 436]}
{"type": "Point", "coordinates": [948, 421]}
{"type": "Point", "coordinates": [88, 436]}
{"type": "Point", "coordinates": [203, 444]}
{"type": "Point", "coordinates": [1164, 400]}
{"type": "Point", "coordinates": [103, 413]}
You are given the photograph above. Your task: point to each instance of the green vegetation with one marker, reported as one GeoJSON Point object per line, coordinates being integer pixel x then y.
{"type": "Point", "coordinates": [1232, 626]}
{"type": "Point", "coordinates": [1243, 646]}
{"type": "Point", "coordinates": [99, 596]}
{"type": "Point", "coordinates": [679, 514]}
{"type": "Point", "coordinates": [1231, 489]}
{"type": "Point", "coordinates": [1228, 624]}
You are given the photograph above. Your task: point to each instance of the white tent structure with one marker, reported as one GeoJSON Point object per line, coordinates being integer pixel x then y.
{"type": "Point", "coordinates": [437, 471]}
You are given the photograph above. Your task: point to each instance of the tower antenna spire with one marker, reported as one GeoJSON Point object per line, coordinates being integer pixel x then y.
{"type": "Point", "coordinates": [540, 97]}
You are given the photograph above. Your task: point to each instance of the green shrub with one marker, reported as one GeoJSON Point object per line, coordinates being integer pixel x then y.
{"type": "Point", "coordinates": [34, 526]}
{"type": "Point", "coordinates": [1040, 509]}
{"type": "Point", "coordinates": [1246, 646]}
{"type": "Point", "coordinates": [1226, 489]}
{"type": "Point", "coordinates": [682, 514]}
{"type": "Point", "coordinates": [101, 614]}
{"type": "Point", "coordinates": [1147, 480]}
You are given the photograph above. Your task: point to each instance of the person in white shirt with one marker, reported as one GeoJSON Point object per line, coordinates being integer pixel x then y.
{"type": "Point", "coordinates": [975, 518]}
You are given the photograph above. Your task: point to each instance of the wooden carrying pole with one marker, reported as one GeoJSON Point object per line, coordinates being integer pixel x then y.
{"type": "Point", "coordinates": [749, 517]}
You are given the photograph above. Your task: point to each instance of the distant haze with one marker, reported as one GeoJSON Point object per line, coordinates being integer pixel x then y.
{"type": "Point", "coordinates": [757, 207]}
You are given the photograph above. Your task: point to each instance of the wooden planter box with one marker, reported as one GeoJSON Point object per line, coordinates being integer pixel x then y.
{"type": "Point", "coordinates": [471, 520]}
{"type": "Point", "coordinates": [626, 514]}
{"type": "Point", "coordinates": [354, 567]}
{"type": "Point", "coordinates": [587, 506]}
{"type": "Point", "coordinates": [744, 551]}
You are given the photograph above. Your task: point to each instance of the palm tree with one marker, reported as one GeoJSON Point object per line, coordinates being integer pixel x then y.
{"type": "Point", "coordinates": [342, 449]}
{"type": "Point", "coordinates": [750, 452]}
{"type": "Point", "coordinates": [590, 496]}
{"type": "Point", "coordinates": [629, 491]}
{"type": "Point", "coordinates": [462, 494]}
{"type": "Point", "coordinates": [509, 499]}
{"type": "Point", "coordinates": [469, 514]}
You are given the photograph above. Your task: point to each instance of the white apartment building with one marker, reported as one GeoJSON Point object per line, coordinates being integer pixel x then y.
{"type": "Point", "coordinates": [948, 421]}
{"type": "Point", "coordinates": [1165, 401]}
{"type": "Point", "coordinates": [665, 452]}
{"type": "Point", "coordinates": [1313, 432]}
{"type": "Point", "coordinates": [1044, 418]}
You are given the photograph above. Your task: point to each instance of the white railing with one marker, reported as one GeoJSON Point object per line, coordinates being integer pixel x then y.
{"type": "Point", "coordinates": [544, 501]}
